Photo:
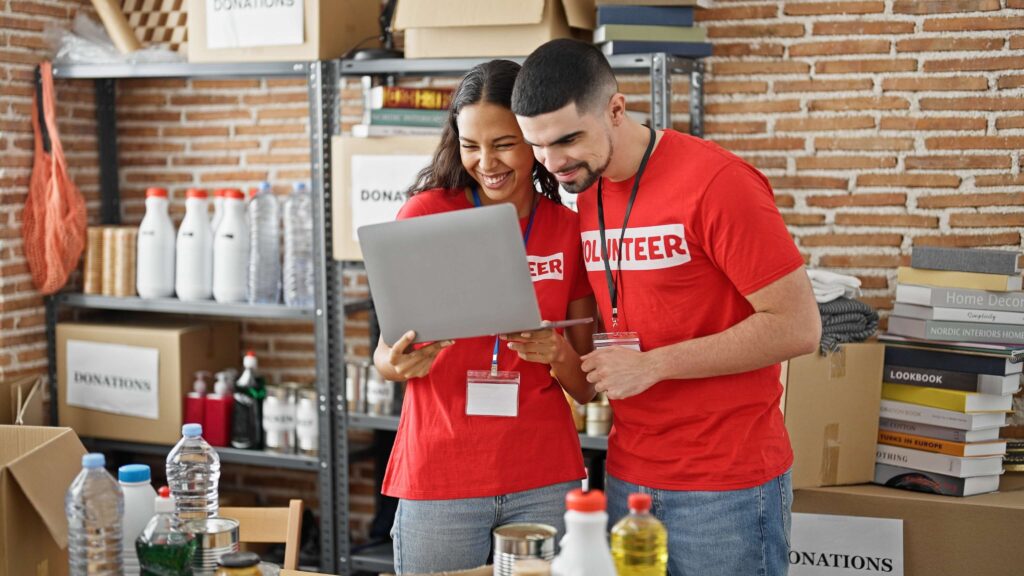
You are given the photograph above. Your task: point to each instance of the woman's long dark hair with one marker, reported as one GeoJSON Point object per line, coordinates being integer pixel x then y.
{"type": "Point", "coordinates": [491, 82]}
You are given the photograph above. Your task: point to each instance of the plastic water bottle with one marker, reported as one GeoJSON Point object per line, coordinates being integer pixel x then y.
{"type": "Point", "coordinates": [584, 547]}
{"type": "Point", "coordinates": [264, 247]}
{"type": "Point", "coordinates": [193, 471]}
{"type": "Point", "coordinates": [193, 278]}
{"type": "Point", "coordinates": [94, 506]}
{"type": "Point", "coordinates": [164, 550]}
{"type": "Point", "coordinates": [639, 541]}
{"type": "Point", "coordinates": [155, 252]}
{"type": "Point", "coordinates": [231, 250]}
{"type": "Point", "coordinates": [218, 209]}
{"type": "Point", "coordinates": [298, 248]}
{"type": "Point", "coordinates": [138, 509]}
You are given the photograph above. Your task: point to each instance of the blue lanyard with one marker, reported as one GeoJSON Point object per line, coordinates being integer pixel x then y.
{"type": "Point", "coordinates": [526, 240]}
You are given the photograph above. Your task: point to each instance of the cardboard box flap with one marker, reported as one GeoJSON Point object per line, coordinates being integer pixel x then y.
{"type": "Point", "coordinates": [41, 476]}
{"type": "Point", "coordinates": [452, 13]}
{"type": "Point", "coordinates": [580, 13]}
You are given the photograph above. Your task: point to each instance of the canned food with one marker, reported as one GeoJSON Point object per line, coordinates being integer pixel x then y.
{"type": "Point", "coordinates": [355, 384]}
{"type": "Point", "coordinates": [279, 408]}
{"type": "Point", "coordinates": [514, 542]}
{"type": "Point", "coordinates": [239, 564]}
{"type": "Point", "coordinates": [307, 429]}
{"type": "Point", "coordinates": [380, 394]}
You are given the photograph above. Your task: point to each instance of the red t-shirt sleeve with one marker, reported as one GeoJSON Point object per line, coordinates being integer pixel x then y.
{"type": "Point", "coordinates": [743, 231]}
{"type": "Point", "coordinates": [413, 207]}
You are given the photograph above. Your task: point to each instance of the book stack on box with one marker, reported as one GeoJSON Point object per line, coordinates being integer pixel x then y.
{"type": "Point", "coordinates": [645, 26]}
{"type": "Point", "coordinates": [402, 111]}
{"type": "Point", "coordinates": [952, 364]}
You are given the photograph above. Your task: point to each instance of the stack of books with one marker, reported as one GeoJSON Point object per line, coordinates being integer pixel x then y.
{"type": "Point", "coordinates": [953, 361]}
{"type": "Point", "coordinates": [402, 111]}
{"type": "Point", "coordinates": [644, 26]}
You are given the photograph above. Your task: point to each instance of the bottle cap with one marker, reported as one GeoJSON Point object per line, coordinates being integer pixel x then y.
{"type": "Point", "coordinates": [234, 193]}
{"type": "Point", "coordinates": [219, 192]}
{"type": "Point", "coordinates": [192, 430]}
{"type": "Point", "coordinates": [580, 501]}
{"type": "Point", "coordinates": [195, 193]}
{"type": "Point", "coordinates": [164, 501]}
{"type": "Point", "coordinates": [199, 386]}
{"type": "Point", "coordinates": [133, 473]}
{"type": "Point", "coordinates": [156, 192]}
{"type": "Point", "coordinates": [639, 502]}
{"type": "Point", "coordinates": [253, 192]}
{"type": "Point", "coordinates": [94, 460]}
{"type": "Point", "coordinates": [239, 560]}
{"type": "Point", "coordinates": [250, 360]}
{"type": "Point", "coordinates": [300, 187]}
{"type": "Point", "coordinates": [264, 187]}
{"type": "Point", "coordinates": [220, 387]}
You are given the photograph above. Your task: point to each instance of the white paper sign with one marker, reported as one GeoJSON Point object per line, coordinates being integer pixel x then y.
{"type": "Point", "coordinates": [114, 378]}
{"type": "Point", "coordinates": [244, 23]}
{"type": "Point", "coordinates": [379, 183]}
{"type": "Point", "coordinates": [826, 545]}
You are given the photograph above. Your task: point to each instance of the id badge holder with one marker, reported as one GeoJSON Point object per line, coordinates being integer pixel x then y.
{"type": "Point", "coordinates": [492, 393]}
{"type": "Point", "coordinates": [629, 340]}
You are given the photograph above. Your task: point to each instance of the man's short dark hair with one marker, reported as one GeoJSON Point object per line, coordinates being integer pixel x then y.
{"type": "Point", "coordinates": [563, 72]}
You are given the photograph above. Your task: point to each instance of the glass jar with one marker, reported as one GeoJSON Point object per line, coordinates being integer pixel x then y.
{"type": "Point", "coordinates": [239, 564]}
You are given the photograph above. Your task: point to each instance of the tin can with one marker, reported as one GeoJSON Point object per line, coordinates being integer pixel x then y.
{"type": "Point", "coordinates": [355, 384]}
{"type": "Point", "coordinates": [279, 409]}
{"type": "Point", "coordinates": [513, 542]}
{"type": "Point", "coordinates": [239, 564]}
{"type": "Point", "coordinates": [307, 429]}
{"type": "Point", "coordinates": [216, 537]}
{"type": "Point", "coordinates": [599, 419]}
{"type": "Point", "coordinates": [380, 394]}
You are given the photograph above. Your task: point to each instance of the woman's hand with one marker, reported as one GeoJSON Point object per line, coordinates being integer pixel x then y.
{"type": "Point", "coordinates": [544, 346]}
{"type": "Point", "coordinates": [402, 362]}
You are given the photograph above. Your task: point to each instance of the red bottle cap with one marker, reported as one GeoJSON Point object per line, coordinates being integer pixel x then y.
{"type": "Point", "coordinates": [156, 192]}
{"type": "Point", "coordinates": [253, 192]}
{"type": "Point", "coordinates": [195, 193]}
{"type": "Point", "coordinates": [580, 501]}
{"type": "Point", "coordinates": [219, 192]}
{"type": "Point", "coordinates": [640, 502]}
{"type": "Point", "coordinates": [250, 353]}
{"type": "Point", "coordinates": [164, 492]}
{"type": "Point", "coordinates": [234, 193]}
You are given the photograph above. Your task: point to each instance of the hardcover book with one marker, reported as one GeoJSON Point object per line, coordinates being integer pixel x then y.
{"type": "Point", "coordinates": [956, 400]}
{"type": "Point", "coordinates": [966, 260]}
{"type": "Point", "coordinates": [408, 117]}
{"type": "Point", "coordinates": [944, 278]}
{"type": "Point", "coordinates": [957, 314]}
{"type": "Point", "coordinates": [933, 483]}
{"type": "Point", "coordinates": [938, 357]}
{"type": "Point", "coordinates": [654, 15]}
{"type": "Point", "coordinates": [960, 298]}
{"type": "Point", "coordinates": [685, 49]}
{"type": "Point", "coordinates": [950, 380]}
{"type": "Point", "coordinates": [939, 463]}
{"type": "Point", "coordinates": [963, 449]}
{"type": "Point", "coordinates": [938, 432]}
{"type": "Point", "coordinates": [402, 97]}
{"type": "Point", "coordinates": [610, 32]}
{"type": "Point", "coordinates": [956, 331]}
{"type": "Point", "coordinates": [897, 410]}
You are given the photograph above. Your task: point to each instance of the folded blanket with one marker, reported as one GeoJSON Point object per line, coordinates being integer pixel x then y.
{"type": "Point", "coordinates": [845, 320]}
{"type": "Point", "coordinates": [828, 285]}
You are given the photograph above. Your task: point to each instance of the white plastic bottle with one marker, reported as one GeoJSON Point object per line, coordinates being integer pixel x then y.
{"type": "Point", "coordinates": [298, 248]}
{"type": "Point", "coordinates": [193, 278]}
{"type": "Point", "coordinates": [193, 475]}
{"type": "Point", "coordinates": [585, 550]}
{"type": "Point", "coordinates": [139, 496]}
{"type": "Point", "coordinates": [155, 255]}
{"type": "Point", "coordinates": [94, 506]}
{"type": "Point", "coordinates": [231, 250]}
{"type": "Point", "coordinates": [264, 247]}
{"type": "Point", "coordinates": [218, 209]}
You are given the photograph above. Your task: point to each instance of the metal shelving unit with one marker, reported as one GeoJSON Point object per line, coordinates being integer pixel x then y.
{"type": "Point", "coordinates": [327, 315]}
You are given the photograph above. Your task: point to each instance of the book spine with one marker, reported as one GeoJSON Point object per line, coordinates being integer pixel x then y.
{"type": "Point", "coordinates": [974, 332]}
{"type": "Point", "coordinates": [925, 430]}
{"type": "Point", "coordinates": [960, 260]}
{"type": "Point", "coordinates": [977, 299]}
{"type": "Point", "coordinates": [401, 97]}
{"type": "Point", "coordinates": [946, 279]}
{"type": "Point", "coordinates": [920, 443]}
{"type": "Point", "coordinates": [408, 117]}
{"type": "Point", "coordinates": [952, 400]}
{"type": "Point", "coordinates": [686, 49]}
{"type": "Point", "coordinates": [376, 130]}
{"type": "Point", "coordinates": [922, 415]}
{"type": "Point", "coordinates": [918, 460]}
{"type": "Point", "coordinates": [919, 481]}
{"type": "Point", "coordinates": [642, 15]}
{"type": "Point", "coordinates": [901, 356]}
{"type": "Point", "coordinates": [916, 376]}
{"type": "Point", "coordinates": [980, 316]}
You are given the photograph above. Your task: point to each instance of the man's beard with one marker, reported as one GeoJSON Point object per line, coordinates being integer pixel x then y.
{"type": "Point", "coordinates": [591, 175]}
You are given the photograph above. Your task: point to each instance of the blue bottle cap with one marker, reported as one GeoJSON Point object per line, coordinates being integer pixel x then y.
{"type": "Point", "coordinates": [192, 430]}
{"type": "Point", "coordinates": [299, 187]}
{"type": "Point", "coordinates": [94, 460]}
{"type": "Point", "coordinates": [133, 473]}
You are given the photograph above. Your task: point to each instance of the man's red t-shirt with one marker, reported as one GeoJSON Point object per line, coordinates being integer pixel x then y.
{"type": "Point", "coordinates": [440, 452]}
{"type": "Point", "coordinates": [703, 234]}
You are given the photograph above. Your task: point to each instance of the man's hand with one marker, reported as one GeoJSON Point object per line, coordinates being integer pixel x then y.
{"type": "Point", "coordinates": [414, 363]}
{"type": "Point", "coordinates": [619, 372]}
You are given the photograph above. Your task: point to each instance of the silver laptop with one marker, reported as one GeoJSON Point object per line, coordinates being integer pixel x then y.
{"type": "Point", "coordinates": [452, 275]}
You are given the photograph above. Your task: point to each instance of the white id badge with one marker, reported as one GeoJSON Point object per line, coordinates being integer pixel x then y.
{"type": "Point", "coordinates": [629, 340]}
{"type": "Point", "coordinates": [490, 394]}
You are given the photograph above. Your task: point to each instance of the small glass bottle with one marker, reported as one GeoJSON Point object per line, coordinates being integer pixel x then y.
{"type": "Point", "coordinates": [239, 564]}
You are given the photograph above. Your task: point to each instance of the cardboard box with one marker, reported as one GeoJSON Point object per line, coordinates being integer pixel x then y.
{"type": "Point", "coordinates": [830, 405]}
{"type": "Point", "coordinates": [978, 535]}
{"type": "Point", "coordinates": [30, 392]}
{"type": "Point", "coordinates": [370, 178]}
{"type": "Point", "coordinates": [129, 380]}
{"type": "Point", "coordinates": [468, 28]}
{"type": "Point", "coordinates": [36, 467]}
{"type": "Point", "coordinates": [326, 29]}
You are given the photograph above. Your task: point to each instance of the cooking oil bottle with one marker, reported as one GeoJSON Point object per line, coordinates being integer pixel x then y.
{"type": "Point", "coordinates": [639, 541]}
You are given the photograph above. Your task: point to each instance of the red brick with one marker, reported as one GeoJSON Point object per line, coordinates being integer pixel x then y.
{"type": "Point", "coordinates": [804, 219]}
{"type": "Point", "coordinates": [225, 145]}
{"type": "Point", "coordinates": [820, 8]}
{"type": "Point", "coordinates": [132, 99]}
{"type": "Point", "coordinates": [1009, 82]}
{"type": "Point", "coordinates": [868, 103]}
{"type": "Point", "coordinates": [990, 104]}
{"type": "Point", "coordinates": [755, 127]}
{"type": "Point", "coordinates": [226, 84]}
{"type": "Point", "coordinates": [204, 100]}
{"type": "Point", "coordinates": [266, 129]}
{"type": "Point", "coordinates": [738, 13]}
{"type": "Point", "coordinates": [760, 68]}
{"type": "Point", "coordinates": [824, 124]}
{"type": "Point", "coordinates": [1017, 43]}
{"type": "Point", "coordinates": [873, 282]}
{"type": "Point", "coordinates": [763, 144]}
{"type": "Point", "coordinates": [999, 180]}
{"type": "Point", "coordinates": [859, 261]}
{"type": "Point", "coordinates": [851, 240]}
{"type": "Point", "coordinates": [785, 200]}
{"type": "Point", "coordinates": [865, 66]}
{"type": "Point", "coordinates": [1010, 123]}
{"type": "Point", "coordinates": [1012, 23]}
{"type": "Point", "coordinates": [918, 124]}
{"type": "Point", "coordinates": [862, 28]}
{"type": "Point", "coordinates": [969, 240]}
{"type": "Point", "coordinates": [34, 42]}
{"type": "Point", "coordinates": [293, 113]}
{"type": "Point", "coordinates": [752, 107]}
{"type": "Point", "coordinates": [970, 200]}
{"type": "Point", "coordinates": [908, 180]}
{"type": "Point", "coordinates": [874, 143]}
{"type": "Point", "coordinates": [808, 182]}
{"type": "Point", "coordinates": [846, 200]}
{"type": "Point", "coordinates": [949, 44]}
{"type": "Point", "coordinates": [975, 143]}
{"type": "Point", "coordinates": [234, 176]}
{"type": "Point", "coordinates": [735, 87]}
{"type": "Point", "coordinates": [884, 220]}
{"type": "Point", "coordinates": [275, 98]}
{"type": "Point", "coordinates": [988, 220]}
{"type": "Point", "coordinates": [943, 6]}
{"type": "Point", "coordinates": [844, 162]}
{"type": "Point", "coordinates": [833, 47]}
{"type": "Point", "coordinates": [767, 162]}
{"type": "Point", "coordinates": [756, 31]}
{"type": "Point", "coordinates": [286, 83]}
{"type": "Point", "coordinates": [747, 49]}
{"type": "Point", "coordinates": [975, 64]}
{"type": "Point", "coordinates": [195, 131]}
{"type": "Point", "coordinates": [8, 23]}
{"type": "Point", "coordinates": [934, 84]}
{"type": "Point", "coordinates": [823, 85]}
{"type": "Point", "coordinates": [277, 158]}
{"type": "Point", "coordinates": [959, 162]}
{"type": "Point", "coordinates": [208, 116]}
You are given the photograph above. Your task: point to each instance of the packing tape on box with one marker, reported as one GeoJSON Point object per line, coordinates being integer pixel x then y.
{"type": "Point", "coordinates": [830, 455]}
{"type": "Point", "coordinates": [837, 364]}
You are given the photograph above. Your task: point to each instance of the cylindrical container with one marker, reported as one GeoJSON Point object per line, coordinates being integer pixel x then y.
{"type": "Point", "coordinates": [231, 250]}
{"type": "Point", "coordinates": [599, 419]}
{"type": "Point", "coordinates": [513, 542]}
{"type": "Point", "coordinates": [193, 474]}
{"type": "Point", "coordinates": [155, 256]}
{"type": "Point", "coordinates": [193, 276]}
{"type": "Point", "coordinates": [239, 564]}
{"type": "Point", "coordinates": [531, 567]}
{"type": "Point", "coordinates": [94, 505]}
{"type": "Point", "coordinates": [125, 259]}
{"type": "Point", "coordinates": [279, 418]}
{"type": "Point", "coordinates": [355, 385]}
{"type": "Point", "coordinates": [93, 275]}
{"type": "Point", "coordinates": [380, 394]}
{"type": "Point", "coordinates": [297, 271]}
{"type": "Point", "coordinates": [109, 259]}
{"type": "Point", "coordinates": [139, 497]}
{"type": "Point", "coordinates": [217, 537]}
{"type": "Point", "coordinates": [264, 247]}
{"type": "Point", "coordinates": [307, 430]}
